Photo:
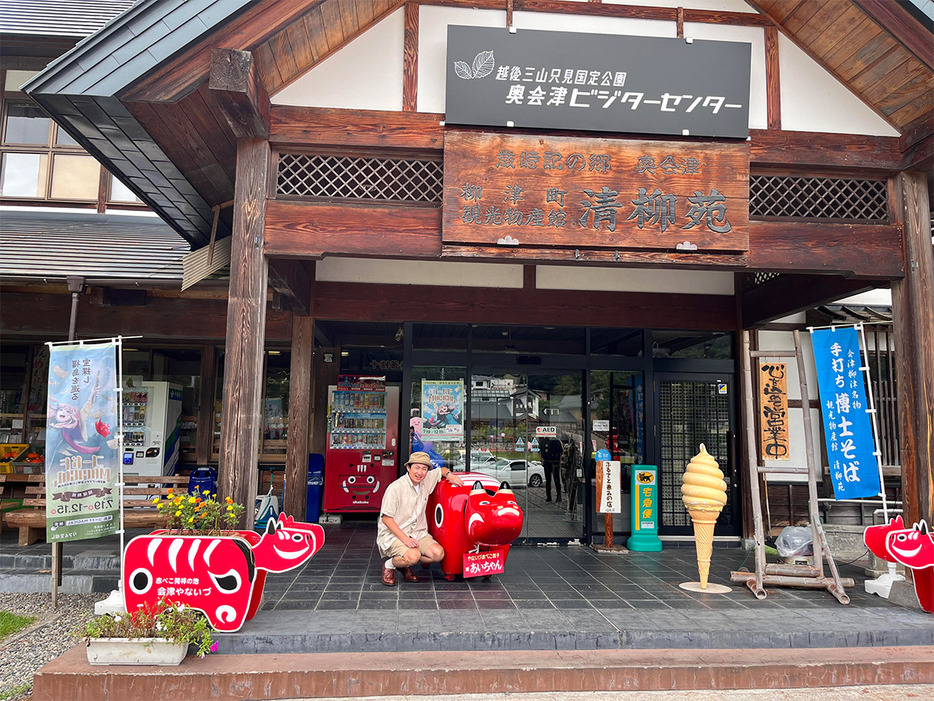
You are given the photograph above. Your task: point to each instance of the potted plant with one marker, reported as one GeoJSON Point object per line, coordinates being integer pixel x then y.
{"type": "Point", "coordinates": [199, 514]}
{"type": "Point", "coordinates": [154, 634]}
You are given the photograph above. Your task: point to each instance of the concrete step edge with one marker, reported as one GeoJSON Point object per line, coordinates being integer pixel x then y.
{"type": "Point", "coordinates": [382, 674]}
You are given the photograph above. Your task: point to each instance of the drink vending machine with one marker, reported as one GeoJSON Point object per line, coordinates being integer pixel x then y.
{"type": "Point", "coordinates": [363, 418]}
{"type": "Point", "coordinates": [151, 426]}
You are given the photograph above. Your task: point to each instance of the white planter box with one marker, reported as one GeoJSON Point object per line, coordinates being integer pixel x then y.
{"type": "Point", "coordinates": [135, 651]}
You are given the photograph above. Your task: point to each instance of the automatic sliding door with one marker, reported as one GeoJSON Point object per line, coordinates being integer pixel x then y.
{"type": "Point", "coordinates": [527, 430]}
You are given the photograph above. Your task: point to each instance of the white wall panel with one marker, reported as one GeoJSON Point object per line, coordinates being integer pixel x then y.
{"type": "Point", "coordinates": [553, 277]}
{"type": "Point", "coordinates": [813, 100]}
{"type": "Point", "coordinates": [418, 272]}
{"type": "Point", "coordinates": [365, 74]}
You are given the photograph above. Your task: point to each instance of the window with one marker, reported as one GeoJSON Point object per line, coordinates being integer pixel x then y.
{"type": "Point", "coordinates": [41, 161]}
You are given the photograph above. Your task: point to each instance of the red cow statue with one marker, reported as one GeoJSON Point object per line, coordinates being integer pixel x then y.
{"type": "Point", "coordinates": [221, 576]}
{"type": "Point", "coordinates": [482, 516]}
{"type": "Point", "coordinates": [912, 547]}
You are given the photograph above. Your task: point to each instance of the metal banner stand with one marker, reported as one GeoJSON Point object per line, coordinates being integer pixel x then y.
{"type": "Point", "coordinates": [783, 575]}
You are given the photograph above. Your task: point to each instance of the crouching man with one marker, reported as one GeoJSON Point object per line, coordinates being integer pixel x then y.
{"type": "Point", "coordinates": [402, 536]}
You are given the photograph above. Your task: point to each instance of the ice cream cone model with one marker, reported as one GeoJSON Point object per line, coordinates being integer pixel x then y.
{"type": "Point", "coordinates": [703, 492]}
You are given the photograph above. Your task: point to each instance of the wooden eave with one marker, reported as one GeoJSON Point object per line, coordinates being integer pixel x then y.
{"type": "Point", "coordinates": [874, 47]}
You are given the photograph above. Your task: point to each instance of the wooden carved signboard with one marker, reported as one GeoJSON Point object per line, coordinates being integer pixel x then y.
{"type": "Point", "coordinates": [547, 191]}
{"type": "Point", "coordinates": [773, 411]}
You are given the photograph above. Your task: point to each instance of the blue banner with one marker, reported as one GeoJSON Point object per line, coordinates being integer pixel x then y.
{"type": "Point", "coordinates": [854, 469]}
{"type": "Point", "coordinates": [81, 468]}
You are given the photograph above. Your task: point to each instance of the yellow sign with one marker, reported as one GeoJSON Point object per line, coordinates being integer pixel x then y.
{"type": "Point", "coordinates": [773, 411]}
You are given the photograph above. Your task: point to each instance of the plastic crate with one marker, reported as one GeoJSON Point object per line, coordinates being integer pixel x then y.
{"type": "Point", "coordinates": [30, 467]}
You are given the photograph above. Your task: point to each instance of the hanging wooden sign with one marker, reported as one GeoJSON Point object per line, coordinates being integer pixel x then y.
{"type": "Point", "coordinates": [548, 191]}
{"type": "Point", "coordinates": [773, 411]}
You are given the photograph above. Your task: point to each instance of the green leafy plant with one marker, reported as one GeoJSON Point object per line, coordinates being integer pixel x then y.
{"type": "Point", "coordinates": [199, 513]}
{"type": "Point", "coordinates": [164, 619]}
{"type": "Point", "coordinates": [11, 622]}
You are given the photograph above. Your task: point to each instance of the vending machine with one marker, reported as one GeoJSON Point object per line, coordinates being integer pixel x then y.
{"type": "Point", "coordinates": [362, 448]}
{"type": "Point", "coordinates": [152, 414]}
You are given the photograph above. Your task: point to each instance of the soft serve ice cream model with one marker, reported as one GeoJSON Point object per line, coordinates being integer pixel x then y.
{"type": "Point", "coordinates": [703, 492]}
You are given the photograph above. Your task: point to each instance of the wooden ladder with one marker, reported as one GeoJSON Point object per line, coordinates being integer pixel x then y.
{"type": "Point", "coordinates": [782, 575]}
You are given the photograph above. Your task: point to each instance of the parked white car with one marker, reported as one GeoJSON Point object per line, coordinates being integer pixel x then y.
{"type": "Point", "coordinates": [516, 472]}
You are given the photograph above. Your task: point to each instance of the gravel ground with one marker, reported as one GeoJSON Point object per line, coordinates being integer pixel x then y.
{"type": "Point", "coordinates": [48, 637]}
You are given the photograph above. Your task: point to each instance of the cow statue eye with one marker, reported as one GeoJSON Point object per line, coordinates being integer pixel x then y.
{"type": "Point", "coordinates": [228, 583]}
{"type": "Point", "coordinates": [140, 581]}
{"type": "Point", "coordinates": [439, 515]}
{"type": "Point", "coordinates": [485, 502]}
{"type": "Point", "coordinates": [297, 537]}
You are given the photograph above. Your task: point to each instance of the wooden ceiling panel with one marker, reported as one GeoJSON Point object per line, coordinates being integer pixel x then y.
{"type": "Point", "coordinates": [872, 52]}
{"type": "Point", "coordinates": [314, 27]}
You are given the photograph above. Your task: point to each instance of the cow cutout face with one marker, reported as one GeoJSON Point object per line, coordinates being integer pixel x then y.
{"type": "Point", "coordinates": [492, 519]}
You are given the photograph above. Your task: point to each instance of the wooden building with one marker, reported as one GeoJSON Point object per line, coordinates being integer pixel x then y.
{"type": "Point", "coordinates": [312, 139]}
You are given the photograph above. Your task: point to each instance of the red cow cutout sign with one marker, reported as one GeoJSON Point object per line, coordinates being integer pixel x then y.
{"type": "Point", "coordinates": [911, 547]}
{"type": "Point", "coordinates": [222, 576]}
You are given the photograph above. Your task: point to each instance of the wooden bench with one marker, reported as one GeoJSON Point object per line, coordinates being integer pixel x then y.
{"type": "Point", "coordinates": [138, 509]}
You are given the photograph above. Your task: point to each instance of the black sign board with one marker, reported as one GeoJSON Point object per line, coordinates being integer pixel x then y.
{"type": "Point", "coordinates": [597, 82]}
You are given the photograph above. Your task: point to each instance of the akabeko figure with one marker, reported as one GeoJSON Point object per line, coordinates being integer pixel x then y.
{"type": "Point", "coordinates": [484, 517]}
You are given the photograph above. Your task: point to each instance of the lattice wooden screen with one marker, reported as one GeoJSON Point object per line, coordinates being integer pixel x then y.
{"type": "Point", "coordinates": [818, 198]}
{"type": "Point", "coordinates": [359, 178]}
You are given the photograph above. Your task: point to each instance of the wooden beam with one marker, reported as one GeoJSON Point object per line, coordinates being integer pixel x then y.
{"type": "Point", "coordinates": [598, 9]}
{"type": "Point", "coordinates": [239, 93]}
{"type": "Point", "coordinates": [410, 59]}
{"type": "Point", "coordinates": [773, 86]}
{"type": "Point", "coordinates": [862, 250]}
{"type": "Point", "coordinates": [789, 294]}
{"type": "Point", "coordinates": [29, 314]}
{"type": "Point", "coordinates": [913, 313]}
{"type": "Point", "coordinates": [293, 280]}
{"type": "Point", "coordinates": [327, 365]}
{"type": "Point", "coordinates": [296, 457]}
{"type": "Point", "coordinates": [204, 439]}
{"type": "Point", "coordinates": [902, 27]}
{"type": "Point", "coordinates": [806, 149]}
{"type": "Point", "coordinates": [242, 412]}
{"type": "Point", "coordinates": [339, 127]}
{"type": "Point", "coordinates": [396, 303]}
{"type": "Point", "coordinates": [310, 230]}
{"type": "Point", "coordinates": [176, 78]}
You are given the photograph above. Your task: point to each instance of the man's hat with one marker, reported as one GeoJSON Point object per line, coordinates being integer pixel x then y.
{"type": "Point", "coordinates": [419, 458]}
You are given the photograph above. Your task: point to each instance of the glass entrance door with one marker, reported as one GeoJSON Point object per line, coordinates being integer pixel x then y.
{"type": "Point", "coordinates": [522, 427]}
{"type": "Point", "coordinates": [695, 409]}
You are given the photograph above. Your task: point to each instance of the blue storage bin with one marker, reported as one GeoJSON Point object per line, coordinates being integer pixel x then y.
{"type": "Point", "coordinates": [203, 478]}
{"type": "Point", "coordinates": [315, 487]}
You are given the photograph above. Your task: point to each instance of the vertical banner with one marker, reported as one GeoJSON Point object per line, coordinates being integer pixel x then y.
{"type": "Point", "coordinates": [773, 412]}
{"type": "Point", "coordinates": [644, 488]}
{"type": "Point", "coordinates": [443, 410]}
{"type": "Point", "coordinates": [608, 487]}
{"type": "Point", "coordinates": [854, 468]}
{"type": "Point", "coordinates": [81, 467]}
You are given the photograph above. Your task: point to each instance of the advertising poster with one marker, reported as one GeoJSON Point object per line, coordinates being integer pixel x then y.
{"type": "Point", "coordinates": [443, 410]}
{"type": "Point", "coordinates": [81, 443]}
{"type": "Point", "coordinates": [854, 470]}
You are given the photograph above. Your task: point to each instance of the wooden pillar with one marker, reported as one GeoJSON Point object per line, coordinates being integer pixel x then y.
{"type": "Point", "coordinates": [241, 412]}
{"type": "Point", "coordinates": [327, 365]}
{"type": "Point", "coordinates": [204, 439]}
{"type": "Point", "coordinates": [913, 313]}
{"type": "Point", "coordinates": [296, 460]}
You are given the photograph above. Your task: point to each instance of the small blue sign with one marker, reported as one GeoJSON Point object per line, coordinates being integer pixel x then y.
{"type": "Point", "coordinates": [854, 468]}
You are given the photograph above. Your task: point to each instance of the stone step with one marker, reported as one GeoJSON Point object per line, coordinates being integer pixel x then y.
{"type": "Point", "coordinates": [74, 581]}
{"type": "Point", "coordinates": [297, 676]}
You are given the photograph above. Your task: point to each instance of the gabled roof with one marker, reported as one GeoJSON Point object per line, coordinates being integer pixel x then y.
{"type": "Point", "coordinates": [135, 94]}
{"type": "Point", "coordinates": [65, 18]}
{"type": "Point", "coordinates": [99, 247]}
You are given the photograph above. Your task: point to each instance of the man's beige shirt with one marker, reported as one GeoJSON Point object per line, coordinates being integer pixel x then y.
{"type": "Point", "coordinates": [406, 507]}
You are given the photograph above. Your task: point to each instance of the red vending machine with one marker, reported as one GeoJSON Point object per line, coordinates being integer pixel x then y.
{"type": "Point", "coordinates": [363, 419]}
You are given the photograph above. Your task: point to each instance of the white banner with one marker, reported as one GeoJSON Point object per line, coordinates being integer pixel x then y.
{"type": "Point", "coordinates": [610, 487]}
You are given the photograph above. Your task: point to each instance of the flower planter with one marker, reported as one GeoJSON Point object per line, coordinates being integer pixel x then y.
{"type": "Point", "coordinates": [135, 651]}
